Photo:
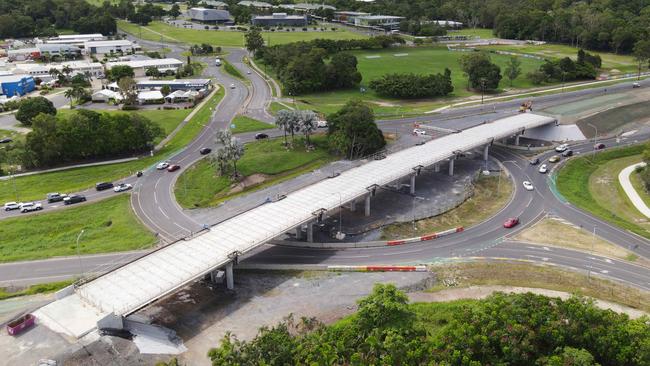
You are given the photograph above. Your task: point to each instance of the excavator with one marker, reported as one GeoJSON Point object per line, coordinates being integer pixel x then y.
{"type": "Point", "coordinates": [526, 106]}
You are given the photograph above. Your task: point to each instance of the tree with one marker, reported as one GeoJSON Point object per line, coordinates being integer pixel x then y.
{"type": "Point", "coordinates": [513, 69]}
{"type": "Point", "coordinates": [152, 71]}
{"type": "Point", "coordinates": [32, 107]}
{"type": "Point", "coordinates": [352, 130]}
{"type": "Point", "coordinates": [235, 152]}
{"type": "Point", "coordinates": [480, 71]}
{"type": "Point", "coordinates": [341, 72]}
{"type": "Point", "coordinates": [413, 86]}
{"type": "Point", "coordinates": [572, 357]}
{"type": "Point", "coordinates": [69, 94]}
{"type": "Point", "coordinates": [54, 73]}
{"type": "Point", "coordinates": [175, 11]}
{"type": "Point", "coordinates": [66, 70]}
{"type": "Point", "coordinates": [281, 122]}
{"type": "Point", "coordinates": [308, 122]}
{"type": "Point", "coordinates": [642, 53]}
{"type": "Point", "coordinates": [128, 89]}
{"type": "Point", "coordinates": [118, 72]}
{"type": "Point", "coordinates": [254, 40]}
{"type": "Point", "coordinates": [166, 90]}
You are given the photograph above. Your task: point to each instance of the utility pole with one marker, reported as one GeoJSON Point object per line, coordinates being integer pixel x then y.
{"type": "Point", "coordinates": [595, 140]}
{"type": "Point", "coordinates": [81, 268]}
{"type": "Point", "coordinates": [591, 259]}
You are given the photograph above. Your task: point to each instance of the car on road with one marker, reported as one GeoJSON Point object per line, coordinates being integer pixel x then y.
{"type": "Point", "coordinates": [12, 206]}
{"type": "Point", "coordinates": [55, 197]}
{"type": "Point", "coordinates": [102, 186]}
{"type": "Point", "coordinates": [205, 151]}
{"type": "Point", "coordinates": [173, 168]}
{"type": "Point", "coordinates": [419, 132]}
{"type": "Point", "coordinates": [567, 153]}
{"type": "Point", "coordinates": [232, 86]}
{"type": "Point", "coordinates": [217, 62]}
{"type": "Point", "coordinates": [561, 148]}
{"type": "Point", "coordinates": [248, 72]}
{"type": "Point", "coordinates": [162, 166]}
{"type": "Point", "coordinates": [534, 161]}
{"type": "Point", "coordinates": [636, 84]}
{"type": "Point", "coordinates": [5, 140]}
{"type": "Point", "coordinates": [511, 222]}
{"type": "Point", "coordinates": [75, 198]}
{"type": "Point", "coordinates": [261, 136]}
{"type": "Point", "coordinates": [528, 185]}
{"type": "Point", "coordinates": [554, 159]}
{"type": "Point", "coordinates": [122, 187]}
{"type": "Point", "coordinates": [543, 169]}
{"type": "Point", "coordinates": [599, 146]}
{"type": "Point", "coordinates": [30, 206]}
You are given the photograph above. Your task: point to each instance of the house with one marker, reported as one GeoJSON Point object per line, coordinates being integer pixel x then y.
{"type": "Point", "coordinates": [151, 97]}
{"type": "Point", "coordinates": [386, 22]}
{"type": "Point", "coordinates": [178, 84]}
{"type": "Point", "coordinates": [348, 16]}
{"type": "Point", "coordinates": [179, 96]}
{"type": "Point", "coordinates": [280, 19]}
{"type": "Point", "coordinates": [140, 66]}
{"type": "Point", "coordinates": [215, 4]}
{"type": "Point", "coordinates": [214, 16]}
{"type": "Point", "coordinates": [106, 95]}
{"type": "Point", "coordinates": [107, 47]}
{"type": "Point", "coordinates": [16, 85]}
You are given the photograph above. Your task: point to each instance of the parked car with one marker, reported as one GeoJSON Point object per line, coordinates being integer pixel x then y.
{"type": "Point", "coordinates": [543, 169]}
{"type": "Point", "coordinates": [102, 186]}
{"type": "Point", "coordinates": [511, 222]}
{"type": "Point", "coordinates": [636, 84]}
{"type": "Point", "coordinates": [554, 159]}
{"type": "Point", "coordinates": [30, 206]}
{"type": "Point", "coordinates": [419, 131]}
{"type": "Point", "coordinates": [528, 185]}
{"type": "Point", "coordinates": [162, 166]}
{"type": "Point", "coordinates": [567, 153]}
{"type": "Point", "coordinates": [534, 161]}
{"type": "Point", "coordinates": [75, 198]}
{"type": "Point", "coordinates": [5, 140]}
{"type": "Point", "coordinates": [173, 168]}
{"type": "Point", "coordinates": [12, 206]}
{"type": "Point", "coordinates": [599, 146]}
{"type": "Point", "coordinates": [122, 187]}
{"type": "Point", "coordinates": [561, 148]}
{"type": "Point", "coordinates": [205, 151]}
{"type": "Point", "coordinates": [261, 136]}
{"type": "Point", "coordinates": [55, 197]}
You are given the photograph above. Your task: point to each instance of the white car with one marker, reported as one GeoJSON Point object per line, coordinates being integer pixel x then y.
{"type": "Point", "coordinates": [561, 148]}
{"type": "Point", "coordinates": [636, 84]}
{"type": "Point", "coordinates": [122, 187]}
{"type": "Point", "coordinates": [419, 132]}
{"type": "Point", "coordinates": [528, 185]}
{"type": "Point", "coordinates": [232, 86]}
{"type": "Point", "coordinates": [162, 166]}
{"type": "Point", "coordinates": [543, 169]}
{"type": "Point", "coordinates": [321, 124]}
{"type": "Point", "coordinates": [12, 206]}
{"type": "Point", "coordinates": [248, 72]}
{"type": "Point", "coordinates": [30, 206]}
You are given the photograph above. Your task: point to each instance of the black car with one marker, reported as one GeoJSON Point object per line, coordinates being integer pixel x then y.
{"type": "Point", "coordinates": [115, 332]}
{"type": "Point", "coordinates": [75, 198]}
{"type": "Point", "coordinates": [567, 153]}
{"type": "Point", "coordinates": [5, 141]}
{"type": "Point", "coordinates": [205, 151]}
{"type": "Point", "coordinates": [55, 197]}
{"type": "Point", "coordinates": [534, 161]}
{"type": "Point", "coordinates": [261, 136]}
{"type": "Point", "coordinates": [103, 186]}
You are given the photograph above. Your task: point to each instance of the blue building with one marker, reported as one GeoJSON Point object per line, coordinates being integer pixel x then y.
{"type": "Point", "coordinates": [19, 85]}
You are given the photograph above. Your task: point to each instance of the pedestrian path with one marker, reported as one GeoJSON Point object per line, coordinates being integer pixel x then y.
{"type": "Point", "coordinates": [632, 194]}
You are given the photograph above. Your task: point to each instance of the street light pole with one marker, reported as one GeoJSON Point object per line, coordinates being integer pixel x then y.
{"type": "Point", "coordinates": [81, 268]}
{"type": "Point", "coordinates": [595, 138]}
{"type": "Point", "coordinates": [591, 259]}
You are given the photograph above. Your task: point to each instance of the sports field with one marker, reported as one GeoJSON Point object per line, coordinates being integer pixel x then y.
{"type": "Point", "coordinates": [155, 30]}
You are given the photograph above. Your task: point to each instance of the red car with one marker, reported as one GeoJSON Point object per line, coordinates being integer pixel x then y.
{"type": "Point", "coordinates": [173, 168]}
{"type": "Point", "coordinates": [511, 222]}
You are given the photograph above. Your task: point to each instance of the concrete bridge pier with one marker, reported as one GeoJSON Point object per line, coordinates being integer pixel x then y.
{"type": "Point", "coordinates": [486, 151]}
{"type": "Point", "coordinates": [517, 140]}
{"type": "Point", "coordinates": [367, 205]}
{"type": "Point", "coordinates": [310, 232]}
{"type": "Point", "coordinates": [353, 205]}
{"type": "Point", "coordinates": [451, 166]}
{"type": "Point", "coordinates": [299, 232]}
{"type": "Point", "coordinates": [436, 167]}
{"type": "Point", "coordinates": [230, 279]}
{"type": "Point", "coordinates": [413, 183]}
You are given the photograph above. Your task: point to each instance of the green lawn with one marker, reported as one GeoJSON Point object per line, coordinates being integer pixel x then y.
{"type": "Point", "coordinates": [36, 186]}
{"type": "Point", "coordinates": [226, 38]}
{"type": "Point", "coordinates": [638, 185]}
{"type": "Point", "coordinates": [42, 288]}
{"type": "Point", "coordinates": [109, 225]}
{"type": "Point", "coordinates": [475, 32]}
{"type": "Point", "coordinates": [247, 124]}
{"type": "Point", "coordinates": [200, 186]}
{"type": "Point", "coordinates": [602, 196]}
{"type": "Point", "coordinates": [622, 63]}
{"type": "Point", "coordinates": [230, 69]}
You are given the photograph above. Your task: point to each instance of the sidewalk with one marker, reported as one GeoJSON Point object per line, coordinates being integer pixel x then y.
{"type": "Point", "coordinates": [632, 194]}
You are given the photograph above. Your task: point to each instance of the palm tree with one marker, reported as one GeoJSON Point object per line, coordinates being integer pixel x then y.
{"type": "Point", "coordinates": [307, 124]}
{"type": "Point", "coordinates": [69, 94]}
{"type": "Point", "coordinates": [281, 122]}
{"type": "Point", "coordinates": [54, 73]}
{"type": "Point", "coordinates": [67, 70]}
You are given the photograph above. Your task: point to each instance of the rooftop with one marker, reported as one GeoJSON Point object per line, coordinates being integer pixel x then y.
{"type": "Point", "coordinates": [146, 63]}
{"type": "Point", "coordinates": [13, 78]}
{"type": "Point", "coordinates": [255, 4]}
{"type": "Point", "coordinates": [117, 42]}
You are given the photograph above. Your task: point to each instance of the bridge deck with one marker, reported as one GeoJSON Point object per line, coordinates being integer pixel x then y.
{"type": "Point", "coordinates": [134, 285]}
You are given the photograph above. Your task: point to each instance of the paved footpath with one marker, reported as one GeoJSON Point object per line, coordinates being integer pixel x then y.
{"type": "Point", "coordinates": [632, 194]}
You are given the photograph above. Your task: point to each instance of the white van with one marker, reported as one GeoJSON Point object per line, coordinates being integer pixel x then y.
{"type": "Point", "coordinates": [217, 62]}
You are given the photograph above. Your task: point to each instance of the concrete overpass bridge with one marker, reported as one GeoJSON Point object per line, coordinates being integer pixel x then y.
{"type": "Point", "coordinates": [134, 285]}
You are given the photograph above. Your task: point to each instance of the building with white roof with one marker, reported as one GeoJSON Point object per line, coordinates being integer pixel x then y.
{"type": "Point", "coordinates": [209, 15]}
{"type": "Point", "coordinates": [277, 19]}
{"type": "Point", "coordinates": [140, 66]}
{"type": "Point", "coordinates": [114, 46]}
{"type": "Point", "coordinates": [42, 71]}
{"type": "Point", "coordinates": [387, 22]}
{"type": "Point", "coordinates": [150, 97]}
{"type": "Point", "coordinates": [255, 4]}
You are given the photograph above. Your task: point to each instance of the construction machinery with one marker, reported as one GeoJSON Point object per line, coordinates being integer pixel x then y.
{"type": "Point", "coordinates": [526, 106]}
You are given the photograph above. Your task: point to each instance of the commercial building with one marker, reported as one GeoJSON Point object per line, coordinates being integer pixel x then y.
{"type": "Point", "coordinates": [209, 15]}
{"type": "Point", "coordinates": [348, 16]}
{"type": "Point", "coordinates": [447, 23]}
{"type": "Point", "coordinates": [255, 4]}
{"type": "Point", "coordinates": [386, 22]}
{"type": "Point", "coordinates": [140, 66]}
{"type": "Point", "coordinates": [42, 71]}
{"type": "Point", "coordinates": [73, 39]}
{"type": "Point", "coordinates": [280, 19]}
{"type": "Point", "coordinates": [177, 84]}
{"type": "Point", "coordinates": [106, 47]}
{"type": "Point", "coordinates": [215, 4]}
{"type": "Point", "coordinates": [16, 85]}
{"type": "Point", "coordinates": [308, 8]}
{"type": "Point", "coordinates": [22, 54]}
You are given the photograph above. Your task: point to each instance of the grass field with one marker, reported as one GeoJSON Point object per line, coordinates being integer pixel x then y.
{"type": "Point", "coordinates": [638, 185]}
{"type": "Point", "coordinates": [43, 288]}
{"type": "Point", "coordinates": [613, 119]}
{"type": "Point", "coordinates": [110, 226]}
{"type": "Point", "coordinates": [36, 186]}
{"type": "Point", "coordinates": [154, 30]}
{"type": "Point", "coordinates": [602, 198]}
{"type": "Point", "coordinates": [268, 161]}
{"type": "Point", "coordinates": [475, 32]}
{"type": "Point", "coordinates": [230, 69]}
{"type": "Point", "coordinates": [611, 61]}
{"type": "Point", "coordinates": [487, 200]}
{"type": "Point", "coordinates": [247, 124]}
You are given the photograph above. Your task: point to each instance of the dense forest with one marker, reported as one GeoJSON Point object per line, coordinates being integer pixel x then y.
{"type": "Point", "coordinates": [515, 329]}
{"type": "Point", "coordinates": [613, 25]}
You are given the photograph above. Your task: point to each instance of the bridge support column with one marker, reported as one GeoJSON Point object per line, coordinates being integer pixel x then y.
{"type": "Point", "coordinates": [230, 279]}
{"type": "Point", "coordinates": [310, 232]}
{"type": "Point", "coordinates": [486, 150]}
{"type": "Point", "coordinates": [436, 167]}
{"type": "Point", "coordinates": [368, 205]}
{"type": "Point", "coordinates": [353, 205]}
{"type": "Point", "coordinates": [517, 140]}
{"type": "Point", "coordinates": [299, 232]}
{"type": "Point", "coordinates": [412, 184]}
{"type": "Point", "coordinates": [451, 166]}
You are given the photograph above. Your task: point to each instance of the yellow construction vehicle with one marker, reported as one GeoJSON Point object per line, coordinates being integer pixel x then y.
{"type": "Point", "coordinates": [526, 106]}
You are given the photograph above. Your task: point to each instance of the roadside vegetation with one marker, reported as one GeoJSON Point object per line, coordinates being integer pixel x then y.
{"type": "Point", "coordinates": [232, 70]}
{"type": "Point", "coordinates": [514, 329]}
{"type": "Point", "coordinates": [247, 124]}
{"type": "Point", "coordinates": [491, 194]}
{"type": "Point", "coordinates": [43, 288]}
{"type": "Point", "coordinates": [34, 187]}
{"type": "Point", "coordinates": [603, 196]}
{"type": "Point", "coordinates": [109, 226]}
